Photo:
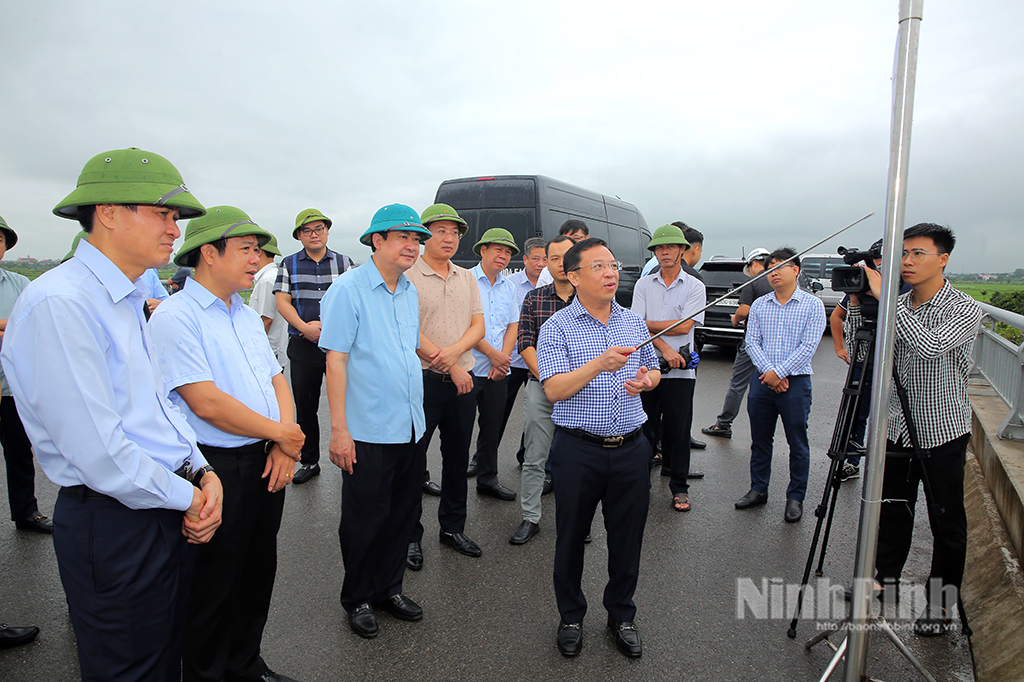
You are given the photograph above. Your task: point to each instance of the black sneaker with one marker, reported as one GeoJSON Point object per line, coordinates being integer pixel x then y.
{"type": "Point", "coordinates": [716, 430]}
{"type": "Point", "coordinates": [849, 472]}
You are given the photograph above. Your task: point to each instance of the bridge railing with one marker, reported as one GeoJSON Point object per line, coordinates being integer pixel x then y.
{"type": "Point", "coordinates": [1002, 364]}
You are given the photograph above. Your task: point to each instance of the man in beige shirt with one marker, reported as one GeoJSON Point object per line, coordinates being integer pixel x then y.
{"type": "Point", "coordinates": [451, 323]}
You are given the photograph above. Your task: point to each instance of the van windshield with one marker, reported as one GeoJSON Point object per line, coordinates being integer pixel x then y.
{"type": "Point", "coordinates": [510, 203]}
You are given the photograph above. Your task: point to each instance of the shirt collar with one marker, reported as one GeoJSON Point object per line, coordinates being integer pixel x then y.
{"type": "Point", "coordinates": [110, 276]}
{"type": "Point", "coordinates": [377, 280]}
{"type": "Point", "coordinates": [679, 278]}
{"type": "Point", "coordinates": [578, 310]}
{"type": "Point", "coordinates": [266, 267]}
{"type": "Point", "coordinates": [205, 298]}
{"type": "Point", "coordinates": [424, 269]}
{"type": "Point", "coordinates": [330, 254]}
{"type": "Point", "coordinates": [479, 273]}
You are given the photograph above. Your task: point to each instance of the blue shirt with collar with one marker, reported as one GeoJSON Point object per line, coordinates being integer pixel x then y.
{"type": "Point", "coordinates": [523, 286]}
{"type": "Point", "coordinates": [154, 288]}
{"type": "Point", "coordinates": [500, 310]}
{"type": "Point", "coordinates": [571, 338]}
{"type": "Point", "coordinates": [196, 338]}
{"type": "Point", "coordinates": [11, 286]}
{"type": "Point", "coordinates": [784, 338]}
{"type": "Point", "coordinates": [380, 331]}
{"type": "Point", "coordinates": [77, 356]}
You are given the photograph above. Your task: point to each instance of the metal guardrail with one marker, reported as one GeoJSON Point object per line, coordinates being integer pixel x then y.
{"type": "Point", "coordinates": [1002, 364]}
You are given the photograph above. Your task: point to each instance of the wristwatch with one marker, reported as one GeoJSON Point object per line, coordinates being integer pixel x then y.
{"type": "Point", "coordinates": [197, 477]}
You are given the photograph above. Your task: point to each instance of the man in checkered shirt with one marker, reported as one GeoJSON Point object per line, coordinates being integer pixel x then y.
{"type": "Point", "coordinates": [935, 330]}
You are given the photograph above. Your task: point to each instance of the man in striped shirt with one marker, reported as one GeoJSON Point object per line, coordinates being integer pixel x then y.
{"type": "Point", "coordinates": [783, 332]}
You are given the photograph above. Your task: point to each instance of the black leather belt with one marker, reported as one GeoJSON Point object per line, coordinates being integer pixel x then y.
{"type": "Point", "coordinates": [437, 376]}
{"type": "Point", "coordinates": [84, 493]}
{"type": "Point", "coordinates": [603, 441]}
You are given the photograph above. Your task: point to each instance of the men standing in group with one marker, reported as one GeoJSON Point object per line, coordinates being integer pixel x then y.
{"type": "Point", "coordinates": [263, 300]}
{"type": "Point", "coordinates": [220, 371]}
{"type": "Point", "coordinates": [662, 299]}
{"type": "Point", "coordinates": [135, 488]}
{"type": "Point", "coordinates": [375, 390]}
{"type": "Point", "coordinates": [492, 355]}
{"type": "Point", "coordinates": [783, 332]}
{"type": "Point", "coordinates": [742, 367]}
{"type": "Point", "coordinates": [21, 470]}
{"type": "Point", "coordinates": [539, 305]}
{"type": "Point", "coordinates": [451, 324]}
{"type": "Point", "coordinates": [574, 229]}
{"type": "Point", "coordinates": [302, 281]}
{"type": "Point", "coordinates": [935, 330]}
{"type": "Point", "coordinates": [593, 371]}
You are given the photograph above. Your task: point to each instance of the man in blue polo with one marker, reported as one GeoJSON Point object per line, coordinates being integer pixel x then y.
{"type": "Point", "coordinates": [375, 390]}
{"type": "Point", "coordinates": [593, 372]}
{"type": "Point", "coordinates": [221, 372]}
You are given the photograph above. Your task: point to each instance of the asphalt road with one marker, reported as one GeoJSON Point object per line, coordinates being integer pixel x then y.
{"type": "Point", "coordinates": [495, 617]}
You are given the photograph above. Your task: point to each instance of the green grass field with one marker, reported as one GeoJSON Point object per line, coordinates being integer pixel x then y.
{"type": "Point", "coordinates": [983, 291]}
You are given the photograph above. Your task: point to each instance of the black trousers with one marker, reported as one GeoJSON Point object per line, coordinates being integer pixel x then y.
{"type": "Point", "coordinates": [308, 367]}
{"type": "Point", "coordinates": [619, 479]}
{"type": "Point", "coordinates": [946, 513]}
{"type": "Point", "coordinates": [490, 404]}
{"type": "Point", "coordinates": [453, 414]}
{"type": "Point", "coordinates": [126, 574]}
{"type": "Point", "coordinates": [21, 471]}
{"type": "Point", "coordinates": [673, 400]}
{"type": "Point", "coordinates": [517, 378]}
{"type": "Point", "coordinates": [381, 502]}
{"type": "Point", "coordinates": [235, 571]}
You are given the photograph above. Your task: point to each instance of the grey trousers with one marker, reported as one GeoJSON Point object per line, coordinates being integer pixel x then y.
{"type": "Point", "coordinates": [742, 370]}
{"type": "Point", "coordinates": [539, 431]}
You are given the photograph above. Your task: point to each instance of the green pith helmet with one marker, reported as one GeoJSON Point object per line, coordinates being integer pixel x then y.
{"type": "Point", "coordinates": [395, 217]}
{"type": "Point", "coordinates": [271, 246]}
{"type": "Point", "coordinates": [497, 235]}
{"type": "Point", "coordinates": [74, 245]}
{"type": "Point", "coordinates": [10, 236]}
{"type": "Point", "coordinates": [308, 216]}
{"type": "Point", "coordinates": [668, 234]}
{"type": "Point", "coordinates": [220, 222]}
{"type": "Point", "coordinates": [443, 212]}
{"type": "Point", "coordinates": [130, 176]}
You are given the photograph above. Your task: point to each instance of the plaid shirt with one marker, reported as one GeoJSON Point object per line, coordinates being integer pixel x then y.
{"type": "Point", "coordinates": [932, 357]}
{"type": "Point", "coordinates": [539, 305]}
{"type": "Point", "coordinates": [784, 337]}
{"type": "Point", "coordinates": [571, 338]}
{"type": "Point", "coordinates": [306, 281]}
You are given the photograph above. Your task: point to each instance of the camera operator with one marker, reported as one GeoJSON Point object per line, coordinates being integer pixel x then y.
{"type": "Point", "coordinates": [935, 330]}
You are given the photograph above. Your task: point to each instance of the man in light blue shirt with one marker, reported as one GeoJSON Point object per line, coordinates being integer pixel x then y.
{"type": "Point", "coordinates": [493, 354]}
{"type": "Point", "coordinates": [220, 371]}
{"type": "Point", "coordinates": [135, 486]}
{"type": "Point", "coordinates": [783, 332]}
{"type": "Point", "coordinates": [370, 329]}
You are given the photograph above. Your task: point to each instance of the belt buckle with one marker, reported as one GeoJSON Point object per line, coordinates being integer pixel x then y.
{"type": "Point", "coordinates": [612, 441]}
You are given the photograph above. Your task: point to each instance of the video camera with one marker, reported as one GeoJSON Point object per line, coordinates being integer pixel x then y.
{"type": "Point", "coordinates": [849, 278]}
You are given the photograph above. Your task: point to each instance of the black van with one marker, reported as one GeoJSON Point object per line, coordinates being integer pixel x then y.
{"type": "Point", "coordinates": [536, 206]}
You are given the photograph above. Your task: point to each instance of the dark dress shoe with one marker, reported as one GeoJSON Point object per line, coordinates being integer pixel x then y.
{"type": "Point", "coordinates": [363, 621]}
{"type": "Point", "coordinates": [751, 499]}
{"type": "Point", "coordinates": [402, 608]}
{"type": "Point", "coordinates": [471, 470]}
{"type": "Point", "coordinates": [697, 444]}
{"type": "Point", "coordinates": [12, 637]}
{"type": "Point", "coordinates": [627, 638]}
{"type": "Point", "coordinates": [461, 544]}
{"type": "Point", "coordinates": [525, 531]}
{"type": "Point", "coordinates": [794, 510]}
{"type": "Point", "coordinates": [695, 474]}
{"type": "Point", "coordinates": [271, 676]}
{"type": "Point", "coordinates": [587, 540]}
{"type": "Point", "coordinates": [37, 523]}
{"type": "Point", "coordinates": [932, 623]}
{"type": "Point", "coordinates": [496, 490]}
{"type": "Point", "coordinates": [549, 485]}
{"type": "Point", "coordinates": [414, 556]}
{"type": "Point", "coordinates": [716, 430]}
{"type": "Point", "coordinates": [305, 472]}
{"type": "Point", "coordinates": [569, 638]}
{"type": "Point", "coordinates": [431, 488]}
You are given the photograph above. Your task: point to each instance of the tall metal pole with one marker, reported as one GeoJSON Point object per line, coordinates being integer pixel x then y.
{"type": "Point", "coordinates": [899, 156]}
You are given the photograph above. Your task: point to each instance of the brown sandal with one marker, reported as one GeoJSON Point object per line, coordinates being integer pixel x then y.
{"type": "Point", "coordinates": [681, 502]}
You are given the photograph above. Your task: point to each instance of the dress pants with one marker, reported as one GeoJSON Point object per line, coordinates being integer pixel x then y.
{"type": "Point", "coordinates": [764, 408]}
{"type": "Point", "coordinates": [619, 479]}
{"type": "Point", "coordinates": [126, 575]}
{"type": "Point", "coordinates": [516, 379]}
{"type": "Point", "coordinates": [381, 502]}
{"type": "Point", "coordinates": [673, 400]}
{"type": "Point", "coordinates": [453, 414]}
{"type": "Point", "coordinates": [235, 571]}
{"type": "Point", "coordinates": [21, 470]}
{"type": "Point", "coordinates": [946, 514]}
{"type": "Point", "coordinates": [490, 403]}
{"type": "Point", "coordinates": [308, 366]}
{"type": "Point", "coordinates": [742, 370]}
{"type": "Point", "coordinates": [539, 432]}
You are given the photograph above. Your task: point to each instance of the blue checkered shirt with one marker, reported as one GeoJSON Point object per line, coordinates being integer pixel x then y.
{"type": "Point", "coordinates": [306, 281]}
{"type": "Point", "coordinates": [571, 338]}
{"type": "Point", "coordinates": [784, 337]}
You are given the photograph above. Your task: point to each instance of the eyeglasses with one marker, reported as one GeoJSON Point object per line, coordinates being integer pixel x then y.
{"type": "Point", "coordinates": [445, 232]}
{"type": "Point", "coordinates": [917, 255]}
{"type": "Point", "coordinates": [598, 266]}
{"type": "Point", "coordinates": [307, 231]}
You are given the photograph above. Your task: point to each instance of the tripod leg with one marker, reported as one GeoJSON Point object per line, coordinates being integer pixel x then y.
{"type": "Point", "coordinates": [828, 525]}
{"type": "Point", "coordinates": [834, 663]}
{"type": "Point", "coordinates": [898, 643]}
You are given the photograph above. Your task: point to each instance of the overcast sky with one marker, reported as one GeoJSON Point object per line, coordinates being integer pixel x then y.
{"type": "Point", "coordinates": [760, 124]}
